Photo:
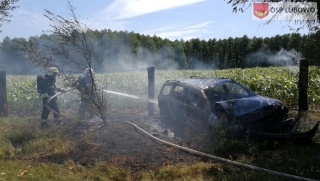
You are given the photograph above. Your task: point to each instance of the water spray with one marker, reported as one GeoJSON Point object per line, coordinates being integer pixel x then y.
{"type": "Point", "coordinates": [130, 96]}
{"type": "Point", "coordinates": [107, 91]}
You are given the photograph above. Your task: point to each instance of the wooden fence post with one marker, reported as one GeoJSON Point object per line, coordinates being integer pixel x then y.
{"type": "Point", "coordinates": [151, 90]}
{"type": "Point", "coordinates": [3, 95]}
{"type": "Point", "coordinates": [303, 85]}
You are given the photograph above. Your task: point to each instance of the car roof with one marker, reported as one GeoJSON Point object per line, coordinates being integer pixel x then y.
{"type": "Point", "coordinates": [202, 82]}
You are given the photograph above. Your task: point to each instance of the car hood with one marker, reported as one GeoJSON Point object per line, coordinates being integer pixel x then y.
{"type": "Point", "coordinates": [250, 104]}
{"type": "Point", "coordinates": [254, 108]}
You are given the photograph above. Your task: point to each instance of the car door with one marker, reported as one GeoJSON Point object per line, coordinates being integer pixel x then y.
{"type": "Point", "coordinates": [176, 103]}
{"type": "Point", "coordinates": [164, 99]}
{"type": "Point", "coordinates": [195, 105]}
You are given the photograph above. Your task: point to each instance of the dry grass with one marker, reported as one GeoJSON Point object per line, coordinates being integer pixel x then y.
{"type": "Point", "coordinates": [22, 146]}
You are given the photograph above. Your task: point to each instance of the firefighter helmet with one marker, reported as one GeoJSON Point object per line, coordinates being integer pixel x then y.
{"type": "Point", "coordinates": [53, 71]}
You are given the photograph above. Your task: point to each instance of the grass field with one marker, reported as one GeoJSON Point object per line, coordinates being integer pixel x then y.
{"type": "Point", "coordinates": [21, 145]}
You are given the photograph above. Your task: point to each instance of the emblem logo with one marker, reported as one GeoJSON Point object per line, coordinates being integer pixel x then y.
{"type": "Point", "coordinates": [260, 10]}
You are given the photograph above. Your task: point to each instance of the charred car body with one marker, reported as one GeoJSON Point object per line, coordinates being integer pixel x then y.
{"type": "Point", "coordinates": [216, 100]}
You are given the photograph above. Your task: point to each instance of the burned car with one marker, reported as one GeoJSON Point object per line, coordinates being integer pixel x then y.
{"type": "Point", "coordinates": [226, 102]}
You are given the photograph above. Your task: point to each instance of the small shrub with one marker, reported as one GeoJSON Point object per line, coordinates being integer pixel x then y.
{"type": "Point", "coordinates": [20, 137]}
{"type": "Point", "coordinates": [7, 151]}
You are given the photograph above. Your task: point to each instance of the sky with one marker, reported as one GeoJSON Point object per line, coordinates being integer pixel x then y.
{"type": "Point", "coordinates": [171, 19]}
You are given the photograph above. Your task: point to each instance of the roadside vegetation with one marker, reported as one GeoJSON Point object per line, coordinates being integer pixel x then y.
{"type": "Point", "coordinates": [24, 146]}
{"type": "Point", "coordinates": [276, 82]}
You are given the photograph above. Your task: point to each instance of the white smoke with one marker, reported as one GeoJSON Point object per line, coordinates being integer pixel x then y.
{"type": "Point", "coordinates": [198, 65]}
{"type": "Point", "coordinates": [267, 58]}
{"type": "Point", "coordinates": [126, 59]}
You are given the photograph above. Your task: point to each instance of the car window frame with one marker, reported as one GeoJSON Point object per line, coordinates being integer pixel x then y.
{"type": "Point", "coordinates": [231, 85]}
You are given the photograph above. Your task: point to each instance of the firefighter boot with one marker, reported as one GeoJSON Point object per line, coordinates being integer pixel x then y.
{"type": "Point", "coordinates": [44, 123]}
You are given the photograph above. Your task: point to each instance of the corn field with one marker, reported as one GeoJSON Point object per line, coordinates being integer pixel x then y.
{"type": "Point", "coordinates": [276, 82]}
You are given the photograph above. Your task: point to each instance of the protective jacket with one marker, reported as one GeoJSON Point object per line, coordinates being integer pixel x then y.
{"type": "Point", "coordinates": [49, 85]}
{"type": "Point", "coordinates": [85, 84]}
{"type": "Point", "coordinates": [48, 90]}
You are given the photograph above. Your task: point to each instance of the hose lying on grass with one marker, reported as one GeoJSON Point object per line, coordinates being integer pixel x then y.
{"type": "Point", "coordinates": [219, 158]}
{"type": "Point", "coordinates": [201, 153]}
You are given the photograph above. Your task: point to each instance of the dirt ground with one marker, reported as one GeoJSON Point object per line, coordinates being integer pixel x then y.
{"type": "Point", "coordinates": [122, 144]}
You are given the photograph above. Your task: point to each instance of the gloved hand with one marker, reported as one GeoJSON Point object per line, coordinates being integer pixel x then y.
{"type": "Point", "coordinates": [46, 98]}
{"type": "Point", "coordinates": [44, 95]}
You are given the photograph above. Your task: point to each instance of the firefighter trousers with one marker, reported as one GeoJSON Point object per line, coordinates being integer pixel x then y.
{"type": "Point", "coordinates": [53, 105]}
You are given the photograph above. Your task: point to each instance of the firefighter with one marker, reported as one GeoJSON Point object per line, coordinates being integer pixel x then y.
{"type": "Point", "coordinates": [48, 89]}
{"type": "Point", "coordinates": [86, 89]}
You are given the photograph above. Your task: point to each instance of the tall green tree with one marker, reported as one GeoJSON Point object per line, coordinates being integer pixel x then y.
{"type": "Point", "coordinates": [179, 55]}
{"type": "Point", "coordinates": [10, 59]}
{"type": "Point", "coordinates": [255, 44]}
{"type": "Point", "coordinates": [295, 42]}
{"type": "Point", "coordinates": [5, 7]}
{"type": "Point", "coordinates": [213, 51]}
{"type": "Point", "coordinates": [231, 50]}
{"type": "Point", "coordinates": [243, 50]}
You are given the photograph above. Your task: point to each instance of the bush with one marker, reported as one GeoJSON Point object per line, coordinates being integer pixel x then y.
{"type": "Point", "coordinates": [7, 151]}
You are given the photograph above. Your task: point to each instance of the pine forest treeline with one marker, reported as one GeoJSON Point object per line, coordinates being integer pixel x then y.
{"type": "Point", "coordinates": [122, 50]}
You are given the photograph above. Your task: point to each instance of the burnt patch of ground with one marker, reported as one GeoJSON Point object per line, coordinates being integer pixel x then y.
{"type": "Point", "coordinates": [122, 144]}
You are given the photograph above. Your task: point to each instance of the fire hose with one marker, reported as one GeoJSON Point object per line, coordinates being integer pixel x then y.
{"type": "Point", "coordinates": [219, 158]}
{"type": "Point", "coordinates": [48, 107]}
{"type": "Point", "coordinates": [198, 152]}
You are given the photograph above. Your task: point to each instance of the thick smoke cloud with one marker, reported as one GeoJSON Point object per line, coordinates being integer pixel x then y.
{"type": "Point", "coordinates": [127, 59]}
{"type": "Point", "coordinates": [17, 65]}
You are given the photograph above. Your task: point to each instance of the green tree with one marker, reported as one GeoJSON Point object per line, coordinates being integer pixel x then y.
{"type": "Point", "coordinates": [295, 42]}
{"type": "Point", "coordinates": [312, 48]}
{"type": "Point", "coordinates": [188, 51]}
{"type": "Point", "coordinates": [221, 47]}
{"type": "Point", "coordinates": [212, 51]}
{"type": "Point", "coordinates": [285, 39]}
{"type": "Point", "coordinates": [205, 52]}
{"type": "Point", "coordinates": [243, 50]}
{"type": "Point", "coordinates": [275, 43]}
{"type": "Point", "coordinates": [231, 50]}
{"type": "Point", "coordinates": [11, 60]}
{"type": "Point", "coordinates": [164, 57]}
{"type": "Point", "coordinates": [179, 55]}
{"type": "Point", "coordinates": [255, 44]}
{"type": "Point", "coordinates": [5, 7]}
